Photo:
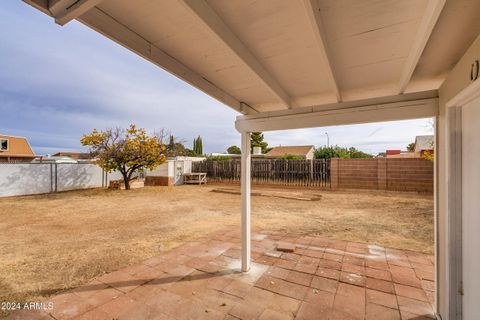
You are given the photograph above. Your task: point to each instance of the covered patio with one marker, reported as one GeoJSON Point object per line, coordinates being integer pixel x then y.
{"type": "Point", "coordinates": [320, 279]}
{"type": "Point", "coordinates": [312, 63]}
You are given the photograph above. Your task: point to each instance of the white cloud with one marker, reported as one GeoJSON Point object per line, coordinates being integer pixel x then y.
{"type": "Point", "coordinates": [372, 138]}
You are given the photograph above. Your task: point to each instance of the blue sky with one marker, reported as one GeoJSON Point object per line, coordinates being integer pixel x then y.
{"type": "Point", "coordinates": [57, 83]}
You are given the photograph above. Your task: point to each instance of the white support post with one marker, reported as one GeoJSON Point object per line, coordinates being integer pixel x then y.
{"type": "Point", "coordinates": [246, 201]}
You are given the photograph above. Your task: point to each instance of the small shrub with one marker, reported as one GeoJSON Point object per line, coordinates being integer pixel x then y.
{"type": "Point", "coordinates": [219, 158]}
{"type": "Point", "coordinates": [291, 157]}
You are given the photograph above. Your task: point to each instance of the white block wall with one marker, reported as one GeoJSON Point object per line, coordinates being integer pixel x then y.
{"type": "Point", "coordinates": [78, 176]}
{"type": "Point", "coordinates": [28, 178]}
{"type": "Point", "coordinates": [24, 178]}
{"type": "Point", "coordinates": [37, 178]}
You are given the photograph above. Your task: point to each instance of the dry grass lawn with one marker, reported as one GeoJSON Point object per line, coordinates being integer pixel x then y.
{"type": "Point", "coordinates": [52, 242]}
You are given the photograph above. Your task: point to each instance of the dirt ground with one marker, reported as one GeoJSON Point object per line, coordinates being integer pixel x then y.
{"type": "Point", "coordinates": [53, 242]}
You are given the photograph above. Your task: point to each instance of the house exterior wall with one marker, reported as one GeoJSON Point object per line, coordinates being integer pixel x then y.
{"type": "Point", "coordinates": [17, 146]}
{"type": "Point", "coordinates": [470, 209]}
{"type": "Point", "coordinates": [169, 173]}
{"type": "Point", "coordinates": [457, 80]}
{"type": "Point", "coordinates": [163, 175]}
{"type": "Point", "coordinates": [74, 155]}
{"type": "Point", "coordinates": [16, 159]}
{"type": "Point", "coordinates": [309, 155]}
{"type": "Point", "coordinates": [405, 155]}
{"type": "Point", "coordinates": [166, 169]}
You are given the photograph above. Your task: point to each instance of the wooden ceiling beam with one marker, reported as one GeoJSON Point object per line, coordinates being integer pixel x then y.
{"type": "Point", "coordinates": [315, 21]}
{"type": "Point", "coordinates": [65, 11]}
{"type": "Point", "coordinates": [215, 25]}
{"type": "Point", "coordinates": [41, 5]}
{"type": "Point", "coordinates": [400, 107]}
{"type": "Point", "coordinates": [424, 31]}
{"type": "Point", "coordinates": [114, 30]}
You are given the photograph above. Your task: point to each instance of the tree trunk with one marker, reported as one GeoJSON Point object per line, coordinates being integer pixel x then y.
{"type": "Point", "coordinates": [126, 180]}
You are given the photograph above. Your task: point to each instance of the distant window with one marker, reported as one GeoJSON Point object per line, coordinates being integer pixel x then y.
{"type": "Point", "coordinates": [3, 145]}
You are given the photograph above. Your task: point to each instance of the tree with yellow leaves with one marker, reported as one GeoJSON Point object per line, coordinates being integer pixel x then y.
{"type": "Point", "coordinates": [125, 150]}
{"type": "Point", "coordinates": [428, 155]}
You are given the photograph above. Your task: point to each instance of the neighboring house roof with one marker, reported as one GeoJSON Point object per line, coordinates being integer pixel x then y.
{"type": "Point", "coordinates": [234, 155]}
{"type": "Point", "coordinates": [17, 147]}
{"type": "Point", "coordinates": [293, 150]}
{"type": "Point", "coordinates": [73, 155]}
{"type": "Point", "coordinates": [404, 155]}
{"type": "Point", "coordinates": [424, 143]}
{"type": "Point", "coordinates": [401, 154]}
{"type": "Point", "coordinates": [392, 152]}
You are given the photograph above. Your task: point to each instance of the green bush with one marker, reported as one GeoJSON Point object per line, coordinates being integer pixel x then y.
{"type": "Point", "coordinates": [291, 157]}
{"type": "Point", "coordinates": [219, 158]}
{"type": "Point", "coordinates": [340, 152]}
{"type": "Point", "coordinates": [234, 150]}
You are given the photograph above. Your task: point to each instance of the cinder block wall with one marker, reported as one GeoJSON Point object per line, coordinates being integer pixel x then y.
{"type": "Point", "coordinates": [159, 181]}
{"type": "Point", "coordinates": [411, 175]}
{"type": "Point", "coordinates": [383, 174]}
{"type": "Point", "coordinates": [358, 173]}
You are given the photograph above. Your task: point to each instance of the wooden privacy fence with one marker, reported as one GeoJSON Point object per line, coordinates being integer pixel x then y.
{"type": "Point", "coordinates": [308, 173]}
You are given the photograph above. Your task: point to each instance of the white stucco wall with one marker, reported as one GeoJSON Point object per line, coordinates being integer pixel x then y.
{"type": "Point", "coordinates": [78, 176]}
{"type": "Point", "coordinates": [27, 178]}
{"type": "Point", "coordinates": [164, 170]}
{"type": "Point", "coordinates": [187, 166]}
{"type": "Point", "coordinates": [115, 175]}
{"type": "Point", "coordinates": [23, 178]}
{"type": "Point", "coordinates": [457, 80]}
{"type": "Point", "coordinates": [174, 169]}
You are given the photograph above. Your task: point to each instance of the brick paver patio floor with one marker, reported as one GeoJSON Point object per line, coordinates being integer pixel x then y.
{"type": "Point", "coordinates": [321, 279]}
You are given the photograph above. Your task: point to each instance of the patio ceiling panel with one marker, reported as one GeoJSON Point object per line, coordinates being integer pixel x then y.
{"type": "Point", "coordinates": [454, 32]}
{"type": "Point", "coordinates": [212, 22]}
{"type": "Point", "coordinates": [264, 56]}
{"type": "Point", "coordinates": [371, 38]}
{"type": "Point", "coordinates": [171, 27]}
{"type": "Point", "coordinates": [278, 33]}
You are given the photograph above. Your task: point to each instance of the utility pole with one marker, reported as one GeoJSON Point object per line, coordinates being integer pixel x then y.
{"type": "Point", "coordinates": [328, 140]}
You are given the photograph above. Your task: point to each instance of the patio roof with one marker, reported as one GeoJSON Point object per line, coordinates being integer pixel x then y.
{"type": "Point", "coordinates": [263, 56]}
